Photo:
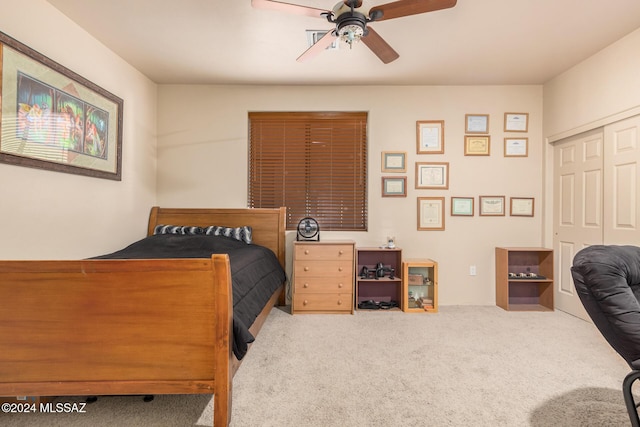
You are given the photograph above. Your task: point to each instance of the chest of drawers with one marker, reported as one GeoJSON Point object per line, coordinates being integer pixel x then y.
{"type": "Point", "coordinates": [323, 275]}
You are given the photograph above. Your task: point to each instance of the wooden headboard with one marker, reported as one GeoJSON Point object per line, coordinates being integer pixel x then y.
{"type": "Point", "coordinates": [268, 225]}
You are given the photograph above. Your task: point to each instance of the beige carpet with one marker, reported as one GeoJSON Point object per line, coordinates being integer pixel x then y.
{"type": "Point", "coordinates": [464, 366]}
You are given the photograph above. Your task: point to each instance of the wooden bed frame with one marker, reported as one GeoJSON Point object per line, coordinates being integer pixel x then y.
{"type": "Point", "coordinates": [117, 327]}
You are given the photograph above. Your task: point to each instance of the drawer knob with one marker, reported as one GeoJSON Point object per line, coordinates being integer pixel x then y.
{"type": "Point", "coordinates": [341, 252]}
{"type": "Point", "coordinates": [306, 269]}
{"type": "Point", "coordinates": [339, 302]}
{"type": "Point", "coordinates": [340, 285]}
{"type": "Point", "coordinates": [305, 302]}
{"type": "Point", "coordinates": [339, 268]}
{"type": "Point", "coordinates": [306, 251]}
{"type": "Point", "coordinates": [306, 285]}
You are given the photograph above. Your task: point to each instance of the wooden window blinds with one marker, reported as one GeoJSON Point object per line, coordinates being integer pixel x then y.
{"type": "Point", "coordinates": [314, 163]}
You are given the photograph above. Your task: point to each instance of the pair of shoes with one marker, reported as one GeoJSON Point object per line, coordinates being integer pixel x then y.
{"type": "Point", "coordinates": [373, 305]}
{"type": "Point", "coordinates": [386, 305]}
{"type": "Point", "coordinates": [369, 305]}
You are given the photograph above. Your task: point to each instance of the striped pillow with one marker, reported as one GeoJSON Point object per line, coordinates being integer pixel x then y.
{"type": "Point", "coordinates": [178, 229]}
{"type": "Point", "coordinates": [242, 234]}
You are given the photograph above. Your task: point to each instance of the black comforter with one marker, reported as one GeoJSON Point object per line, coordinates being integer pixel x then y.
{"type": "Point", "coordinates": [255, 272]}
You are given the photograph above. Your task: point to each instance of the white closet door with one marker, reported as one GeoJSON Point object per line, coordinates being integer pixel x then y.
{"type": "Point", "coordinates": [578, 209]}
{"type": "Point", "coordinates": [622, 181]}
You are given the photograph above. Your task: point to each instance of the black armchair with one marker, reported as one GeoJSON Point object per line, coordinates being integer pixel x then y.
{"type": "Point", "coordinates": [607, 279]}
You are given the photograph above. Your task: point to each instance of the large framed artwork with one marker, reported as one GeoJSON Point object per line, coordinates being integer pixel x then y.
{"type": "Point", "coordinates": [55, 119]}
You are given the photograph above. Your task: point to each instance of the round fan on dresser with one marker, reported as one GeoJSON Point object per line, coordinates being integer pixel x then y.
{"type": "Point", "coordinates": [308, 229]}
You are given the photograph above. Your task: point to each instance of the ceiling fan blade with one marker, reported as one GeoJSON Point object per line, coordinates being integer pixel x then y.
{"type": "Point", "coordinates": [380, 47]}
{"type": "Point", "coordinates": [401, 8]}
{"type": "Point", "coordinates": [317, 47]}
{"type": "Point", "coordinates": [290, 8]}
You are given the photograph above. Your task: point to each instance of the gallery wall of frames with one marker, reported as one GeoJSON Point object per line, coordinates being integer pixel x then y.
{"type": "Point", "coordinates": [433, 174]}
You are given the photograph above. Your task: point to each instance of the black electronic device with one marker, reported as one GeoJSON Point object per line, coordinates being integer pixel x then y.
{"type": "Point", "coordinates": [308, 229]}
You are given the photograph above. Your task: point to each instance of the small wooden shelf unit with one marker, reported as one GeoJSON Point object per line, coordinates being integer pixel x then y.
{"type": "Point", "coordinates": [420, 285]}
{"type": "Point", "coordinates": [382, 289]}
{"type": "Point", "coordinates": [524, 294]}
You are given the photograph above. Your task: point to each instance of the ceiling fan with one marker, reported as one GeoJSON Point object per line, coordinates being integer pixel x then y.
{"type": "Point", "coordinates": [351, 20]}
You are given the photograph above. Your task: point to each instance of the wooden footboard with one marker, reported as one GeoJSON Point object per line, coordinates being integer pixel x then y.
{"type": "Point", "coordinates": [100, 327]}
{"type": "Point", "coordinates": [105, 327]}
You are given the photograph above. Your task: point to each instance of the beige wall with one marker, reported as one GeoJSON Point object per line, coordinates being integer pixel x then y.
{"type": "Point", "coordinates": [59, 216]}
{"type": "Point", "coordinates": [601, 90]}
{"type": "Point", "coordinates": [202, 161]}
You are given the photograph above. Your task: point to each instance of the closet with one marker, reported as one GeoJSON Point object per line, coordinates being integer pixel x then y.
{"type": "Point", "coordinates": [595, 198]}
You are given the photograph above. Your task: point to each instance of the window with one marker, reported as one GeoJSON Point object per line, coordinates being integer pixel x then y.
{"type": "Point", "coordinates": [314, 163]}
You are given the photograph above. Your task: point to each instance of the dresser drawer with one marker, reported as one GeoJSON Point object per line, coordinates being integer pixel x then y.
{"type": "Point", "coordinates": [324, 252]}
{"type": "Point", "coordinates": [323, 285]}
{"type": "Point", "coordinates": [322, 302]}
{"type": "Point", "coordinates": [308, 268]}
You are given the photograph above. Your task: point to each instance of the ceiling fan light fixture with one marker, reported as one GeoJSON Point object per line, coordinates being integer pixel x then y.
{"type": "Point", "coordinates": [351, 18]}
{"type": "Point", "coordinates": [351, 34]}
{"type": "Point", "coordinates": [351, 28]}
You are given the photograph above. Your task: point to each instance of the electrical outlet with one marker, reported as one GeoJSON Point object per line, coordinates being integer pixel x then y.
{"type": "Point", "coordinates": [472, 270]}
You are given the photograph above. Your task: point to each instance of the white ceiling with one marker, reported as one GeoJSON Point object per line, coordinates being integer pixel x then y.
{"type": "Point", "coordinates": [478, 42]}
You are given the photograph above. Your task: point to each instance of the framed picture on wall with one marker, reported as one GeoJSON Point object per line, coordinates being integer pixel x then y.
{"type": "Point", "coordinates": [430, 213]}
{"type": "Point", "coordinates": [394, 161]}
{"type": "Point", "coordinates": [476, 145]}
{"type": "Point", "coordinates": [477, 123]}
{"type": "Point", "coordinates": [491, 205]}
{"type": "Point", "coordinates": [430, 136]}
{"type": "Point", "coordinates": [516, 147]}
{"type": "Point", "coordinates": [393, 186]}
{"type": "Point", "coordinates": [462, 206]}
{"type": "Point", "coordinates": [55, 119]}
{"type": "Point", "coordinates": [521, 206]}
{"type": "Point", "coordinates": [516, 122]}
{"type": "Point", "coordinates": [433, 176]}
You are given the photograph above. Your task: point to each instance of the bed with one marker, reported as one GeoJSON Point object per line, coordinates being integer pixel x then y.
{"type": "Point", "coordinates": [131, 326]}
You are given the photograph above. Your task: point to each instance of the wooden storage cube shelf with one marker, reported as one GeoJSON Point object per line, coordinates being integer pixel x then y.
{"type": "Point", "coordinates": [528, 296]}
{"type": "Point", "coordinates": [381, 289]}
{"type": "Point", "coordinates": [516, 293]}
{"type": "Point", "coordinates": [420, 285]}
